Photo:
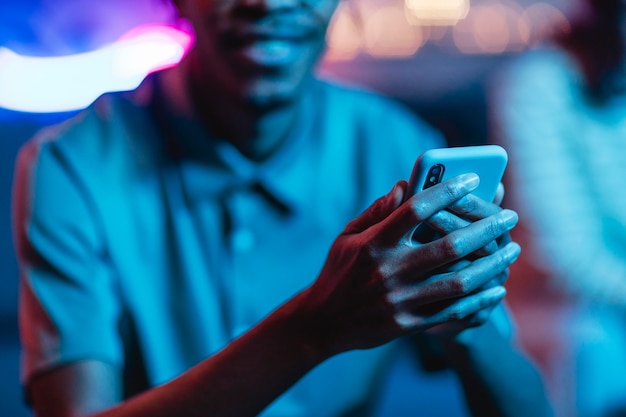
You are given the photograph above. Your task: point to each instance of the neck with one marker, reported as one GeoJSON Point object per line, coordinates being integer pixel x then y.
{"type": "Point", "coordinates": [256, 131]}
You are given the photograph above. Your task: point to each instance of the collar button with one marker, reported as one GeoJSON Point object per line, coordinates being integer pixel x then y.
{"type": "Point", "coordinates": [242, 240]}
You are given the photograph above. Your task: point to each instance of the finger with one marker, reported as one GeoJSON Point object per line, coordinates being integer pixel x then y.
{"type": "Point", "coordinates": [454, 312]}
{"type": "Point", "coordinates": [459, 265]}
{"type": "Point", "coordinates": [499, 195]}
{"type": "Point", "coordinates": [379, 210]}
{"type": "Point", "coordinates": [504, 239]}
{"type": "Point", "coordinates": [455, 284]}
{"type": "Point", "coordinates": [477, 319]}
{"type": "Point", "coordinates": [460, 243]}
{"type": "Point", "coordinates": [498, 279]}
{"type": "Point", "coordinates": [466, 307]}
{"type": "Point", "coordinates": [452, 329]}
{"type": "Point", "coordinates": [445, 223]}
{"type": "Point", "coordinates": [474, 208]}
{"type": "Point", "coordinates": [422, 205]}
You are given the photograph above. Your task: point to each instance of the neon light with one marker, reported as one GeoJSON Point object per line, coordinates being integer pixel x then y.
{"type": "Point", "coordinates": [72, 82]}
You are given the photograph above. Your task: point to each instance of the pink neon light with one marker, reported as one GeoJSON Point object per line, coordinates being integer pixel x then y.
{"type": "Point", "coordinates": [72, 82]}
{"type": "Point", "coordinates": [153, 30]}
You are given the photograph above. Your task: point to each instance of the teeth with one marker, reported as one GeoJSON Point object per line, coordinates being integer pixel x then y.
{"type": "Point", "coordinates": [271, 51]}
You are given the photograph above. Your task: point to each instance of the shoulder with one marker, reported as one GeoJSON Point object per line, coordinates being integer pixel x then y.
{"type": "Point", "coordinates": [544, 57]}
{"type": "Point", "coordinates": [546, 69]}
{"type": "Point", "coordinates": [110, 130]}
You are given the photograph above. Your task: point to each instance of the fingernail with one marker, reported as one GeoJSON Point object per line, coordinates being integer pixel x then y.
{"type": "Point", "coordinates": [509, 217]}
{"type": "Point", "coordinates": [397, 194]}
{"type": "Point", "coordinates": [470, 181]}
{"type": "Point", "coordinates": [497, 292]}
{"type": "Point", "coordinates": [513, 251]}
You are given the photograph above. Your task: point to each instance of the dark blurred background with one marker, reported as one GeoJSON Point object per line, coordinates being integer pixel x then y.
{"type": "Point", "coordinates": [440, 68]}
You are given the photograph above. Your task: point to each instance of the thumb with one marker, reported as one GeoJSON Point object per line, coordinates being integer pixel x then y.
{"type": "Point", "coordinates": [379, 210]}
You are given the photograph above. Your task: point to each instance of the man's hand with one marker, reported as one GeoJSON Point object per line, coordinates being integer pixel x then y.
{"type": "Point", "coordinates": [378, 283]}
{"type": "Point", "coordinates": [469, 209]}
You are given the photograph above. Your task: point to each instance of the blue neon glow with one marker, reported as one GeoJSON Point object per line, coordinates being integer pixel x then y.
{"type": "Point", "coordinates": [67, 83]}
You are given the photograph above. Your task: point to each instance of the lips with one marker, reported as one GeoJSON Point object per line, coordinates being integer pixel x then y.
{"type": "Point", "coordinates": [286, 26]}
{"type": "Point", "coordinates": [273, 42]}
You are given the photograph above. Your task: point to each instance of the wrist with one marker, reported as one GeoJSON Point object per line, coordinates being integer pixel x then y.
{"type": "Point", "coordinates": [306, 329]}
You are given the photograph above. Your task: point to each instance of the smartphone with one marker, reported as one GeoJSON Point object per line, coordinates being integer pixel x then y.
{"type": "Point", "coordinates": [437, 165]}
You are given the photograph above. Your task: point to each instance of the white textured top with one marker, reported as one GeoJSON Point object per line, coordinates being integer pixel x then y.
{"type": "Point", "coordinates": [567, 172]}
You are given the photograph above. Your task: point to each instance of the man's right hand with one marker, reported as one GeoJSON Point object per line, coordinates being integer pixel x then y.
{"type": "Point", "coordinates": [378, 284]}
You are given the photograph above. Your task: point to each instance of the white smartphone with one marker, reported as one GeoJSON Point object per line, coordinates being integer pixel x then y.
{"type": "Point", "coordinates": [437, 165]}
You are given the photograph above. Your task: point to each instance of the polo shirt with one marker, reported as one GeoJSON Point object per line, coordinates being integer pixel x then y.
{"type": "Point", "coordinates": [145, 243]}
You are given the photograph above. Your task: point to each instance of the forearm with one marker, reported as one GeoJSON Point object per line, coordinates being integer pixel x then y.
{"type": "Point", "coordinates": [240, 380]}
{"type": "Point", "coordinates": [497, 380]}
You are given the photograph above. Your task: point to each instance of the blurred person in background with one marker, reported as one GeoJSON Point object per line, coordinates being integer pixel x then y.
{"type": "Point", "coordinates": [178, 244]}
{"type": "Point", "coordinates": [560, 110]}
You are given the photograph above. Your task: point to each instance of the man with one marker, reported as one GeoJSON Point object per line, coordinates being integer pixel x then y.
{"type": "Point", "coordinates": [174, 242]}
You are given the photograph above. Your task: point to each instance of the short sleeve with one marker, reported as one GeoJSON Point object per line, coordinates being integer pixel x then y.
{"type": "Point", "coordinates": [69, 307]}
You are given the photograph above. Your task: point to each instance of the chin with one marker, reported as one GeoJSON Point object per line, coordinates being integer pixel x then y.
{"type": "Point", "coordinates": [273, 94]}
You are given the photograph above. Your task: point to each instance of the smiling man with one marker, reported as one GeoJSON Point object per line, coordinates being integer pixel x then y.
{"type": "Point", "coordinates": [184, 248]}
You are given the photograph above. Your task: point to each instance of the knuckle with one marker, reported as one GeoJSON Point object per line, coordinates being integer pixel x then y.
{"type": "Point", "coordinates": [378, 276]}
{"type": "Point", "coordinates": [504, 260]}
{"type": "Point", "coordinates": [442, 220]}
{"type": "Point", "coordinates": [407, 321]}
{"type": "Point", "coordinates": [393, 298]}
{"type": "Point", "coordinates": [466, 204]}
{"type": "Point", "coordinates": [377, 207]}
{"type": "Point", "coordinates": [438, 217]}
{"type": "Point", "coordinates": [451, 246]}
{"type": "Point", "coordinates": [389, 305]}
{"type": "Point", "coordinates": [495, 228]}
{"type": "Point", "coordinates": [418, 208]}
{"type": "Point", "coordinates": [489, 231]}
{"type": "Point", "coordinates": [460, 284]}
{"type": "Point", "coordinates": [372, 258]}
{"type": "Point", "coordinates": [456, 315]}
{"type": "Point", "coordinates": [370, 250]}
{"type": "Point", "coordinates": [452, 189]}
{"type": "Point", "coordinates": [368, 254]}
{"type": "Point", "coordinates": [470, 203]}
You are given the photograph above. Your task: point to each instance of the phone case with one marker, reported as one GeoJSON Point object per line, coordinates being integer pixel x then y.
{"type": "Point", "coordinates": [437, 165]}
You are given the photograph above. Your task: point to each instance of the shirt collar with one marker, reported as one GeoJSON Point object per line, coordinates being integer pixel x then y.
{"type": "Point", "coordinates": [211, 168]}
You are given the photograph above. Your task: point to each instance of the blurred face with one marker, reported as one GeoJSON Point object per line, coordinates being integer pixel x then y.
{"type": "Point", "coordinates": [261, 51]}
